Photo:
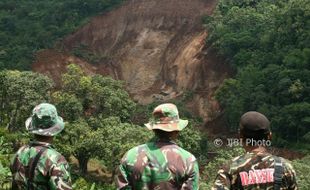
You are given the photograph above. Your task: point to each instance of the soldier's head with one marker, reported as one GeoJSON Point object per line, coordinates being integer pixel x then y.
{"type": "Point", "coordinates": [44, 121]}
{"type": "Point", "coordinates": [165, 121]}
{"type": "Point", "coordinates": [254, 126]}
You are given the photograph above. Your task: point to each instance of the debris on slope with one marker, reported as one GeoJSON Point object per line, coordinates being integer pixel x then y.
{"type": "Point", "coordinates": [156, 46]}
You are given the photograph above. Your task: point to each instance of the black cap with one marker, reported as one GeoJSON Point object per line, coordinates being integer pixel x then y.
{"type": "Point", "coordinates": [253, 121]}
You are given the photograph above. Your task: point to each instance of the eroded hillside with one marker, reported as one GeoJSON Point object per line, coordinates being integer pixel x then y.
{"type": "Point", "coordinates": [156, 46]}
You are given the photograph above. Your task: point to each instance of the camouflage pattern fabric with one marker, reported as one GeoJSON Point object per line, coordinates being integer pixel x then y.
{"type": "Point", "coordinates": [45, 121]}
{"type": "Point", "coordinates": [253, 171]}
{"type": "Point", "coordinates": [166, 118]}
{"type": "Point", "coordinates": [158, 165]}
{"type": "Point", "coordinates": [50, 173]}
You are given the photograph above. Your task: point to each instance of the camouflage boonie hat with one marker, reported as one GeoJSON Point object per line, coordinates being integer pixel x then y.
{"type": "Point", "coordinates": [166, 118]}
{"type": "Point", "coordinates": [45, 121]}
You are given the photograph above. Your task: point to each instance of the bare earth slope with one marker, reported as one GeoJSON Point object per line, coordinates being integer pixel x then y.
{"type": "Point", "coordinates": [155, 46]}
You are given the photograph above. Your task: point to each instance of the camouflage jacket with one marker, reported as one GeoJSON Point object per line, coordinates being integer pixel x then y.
{"type": "Point", "coordinates": [253, 171]}
{"type": "Point", "coordinates": [50, 173]}
{"type": "Point", "coordinates": [158, 165]}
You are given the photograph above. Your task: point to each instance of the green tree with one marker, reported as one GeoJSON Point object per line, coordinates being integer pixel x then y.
{"type": "Point", "coordinates": [20, 92]}
{"type": "Point", "coordinates": [68, 105]}
{"type": "Point", "coordinates": [81, 141]}
{"type": "Point", "coordinates": [108, 142]}
{"type": "Point", "coordinates": [117, 139]}
{"type": "Point", "coordinates": [98, 95]}
{"type": "Point", "coordinates": [91, 104]}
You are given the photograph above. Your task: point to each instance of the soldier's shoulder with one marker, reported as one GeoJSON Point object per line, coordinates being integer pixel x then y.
{"type": "Point", "coordinates": [283, 160]}
{"type": "Point", "coordinates": [130, 157]}
{"type": "Point", "coordinates": [20, 153]}
{"type": "Point", "coordinates": [22, 149]}
{"type": "Point", "coordinates": [286, 163]}
{"type": "Point", "coordinates": [138, 148]}
{"type": "Point", "coordinates": [54, 156]}
{"type": "Point", "coordinates": [135, 150]}
{"type": "Point", "coordinates": [185, 154]}
{"type": "Point", "coordinates": [238, 160]}
{"type": "Point", "coordinates": [233, 164]}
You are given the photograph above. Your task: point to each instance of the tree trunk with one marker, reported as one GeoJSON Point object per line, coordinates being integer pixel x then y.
{"type": "Point", "coordinates": [113, 175]}
{"type": "Point", "coordinates": [12, 124]}
{"type": "Point", "coordinates": [83, 164]}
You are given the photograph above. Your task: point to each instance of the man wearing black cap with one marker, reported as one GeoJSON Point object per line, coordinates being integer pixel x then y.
{"type": "Point", "coordinates": [257, 169]}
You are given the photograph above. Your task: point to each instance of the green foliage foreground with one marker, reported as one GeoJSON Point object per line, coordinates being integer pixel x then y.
{"type": "Point", "coordinates": [97, 111]}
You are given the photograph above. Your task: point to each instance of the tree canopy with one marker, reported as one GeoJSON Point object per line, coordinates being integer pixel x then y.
{"type": "Point", "coordinates": [19, 93]}
{"type": "Point", "coordinates": [268, 43]}
{"type": "Point", "coordinates": [28, 26]}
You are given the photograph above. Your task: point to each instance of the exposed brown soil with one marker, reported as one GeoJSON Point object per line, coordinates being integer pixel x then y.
{"type": "Point", "coordinates": [53, 64]}
{"type": "Point", "coordinates": [155, 46]}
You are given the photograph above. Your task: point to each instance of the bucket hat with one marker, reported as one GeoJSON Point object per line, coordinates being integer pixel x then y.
{"type": "Point", "coordinates": [166, 117]}
{"type": "Point", "coordinates": [44, 121]}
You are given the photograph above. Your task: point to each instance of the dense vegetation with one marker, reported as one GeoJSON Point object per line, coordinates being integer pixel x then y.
{"type": "Point", "coordinates": [28, 26]}
{"type": "Point", "coordinates": [99, 122]}
{"type": "Point", "coordinates": [268, 43]}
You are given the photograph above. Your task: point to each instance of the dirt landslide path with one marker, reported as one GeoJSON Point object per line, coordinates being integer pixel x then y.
{"type": "Point", "coordinates": [156, 46]}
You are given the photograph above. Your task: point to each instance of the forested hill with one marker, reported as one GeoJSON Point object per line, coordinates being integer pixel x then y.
{"type": "Point", "coordinates": [28, 26]}
{"type": "Point", "coordinates": [268, 43]}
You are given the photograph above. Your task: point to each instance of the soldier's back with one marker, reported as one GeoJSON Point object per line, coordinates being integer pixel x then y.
{"type": "Point", "coordinates": [50, 172]}
{"type": "Point", "coordinates": [159, 165]}
{"type": "Point", "coordinates": [254, 171]}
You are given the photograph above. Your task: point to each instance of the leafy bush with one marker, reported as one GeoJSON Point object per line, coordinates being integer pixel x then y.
{"type": "Point", "coordinates": [302, 169]}
{"type": "Point", "coordinates": [5, 173]}
{"type": "Point", "coordinates": [211, 169]}
{"type": "Point", "coordinates": [82, 184]}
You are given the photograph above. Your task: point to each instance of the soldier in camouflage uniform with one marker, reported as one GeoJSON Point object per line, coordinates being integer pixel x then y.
{"type": "Point", "coordinates": [257, 169]}
{"type": "Point", "coordinates": [38, 166]}
{"type": "Point", "coordinates": [160, 163]}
